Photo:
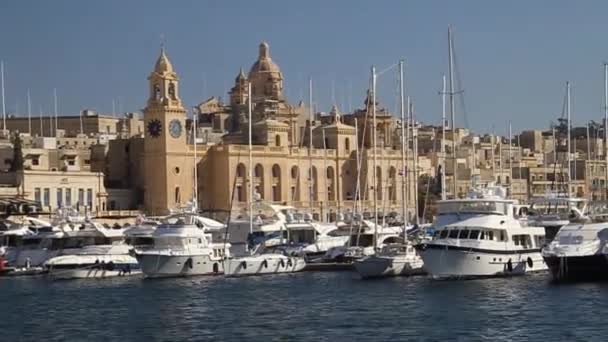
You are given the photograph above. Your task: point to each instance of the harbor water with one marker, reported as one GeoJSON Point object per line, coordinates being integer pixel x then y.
{"type": "Point", "coordinates": [332, 306]}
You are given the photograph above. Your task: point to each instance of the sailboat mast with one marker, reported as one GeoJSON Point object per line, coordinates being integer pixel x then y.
{"type": "Point", "coordinates": [568, 142]}
{"type": "Point", "coordinates": [606, 126]}
{"type": "Point", "coordinates": [510, 159]}
{"type": "Point", "coordinates": [403, 149]}
{"type": "Point", "coordinates": [250, 160]}
{"type": "Point", "coordinates": [29, 113]}
{"type": "Point", "coordinates": [3, 99]}
{"type": "Point", "coordinates": [374, 161]}
{"type": "Point", "coordinates": [358, 184]}
{"type": "Point", "coordinates": [41, 123]}
{"type": "Point", "coordinates": [415, 166]}
{"type": "Point", "coordinates": [442, 162]}
{"type": "Point", "coordinates": [452, 112]}
{"type": "Point", "coordinates": [55, 108]}
{"type": "Point", "coordinates": [195, 129]}
{"type": "Point", "coordinates": [492, 155]}
{"type": "Point", "coordinates": [311, 118]}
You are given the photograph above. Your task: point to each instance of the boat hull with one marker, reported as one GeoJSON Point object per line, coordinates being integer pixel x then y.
{"type": "Point", "coordinates": [461, 262]}
{"type": "Point", "coordinates": [160, 265]}
{"type": "Point", "coordinates": [389, 266]}
{"type": "Point", "coordinates": [86, 273]}
{"type": "Point", "coordinates": [578, 268]}
{"type": "Point", "coordinates": [261, 265]}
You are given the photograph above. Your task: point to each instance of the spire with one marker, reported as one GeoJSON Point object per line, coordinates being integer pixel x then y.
{"type": "Point", "coordinates": [241, 76]}
{"type": "Point", "coordinates": [264, 50]}
{"type": "Point", "coordinates": [163, 64]}
{"type": "Point", "coordinates": [335, 113]}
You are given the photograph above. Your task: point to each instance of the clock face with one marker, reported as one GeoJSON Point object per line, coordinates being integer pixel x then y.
{"type": "Point", "coordinates": [175, 128]}
{"type": "Point", "coordinates": [154, 128]}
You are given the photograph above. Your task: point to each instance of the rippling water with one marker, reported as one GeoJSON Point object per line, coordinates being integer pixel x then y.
{"type": "Point", "coordinates": [305, 306]}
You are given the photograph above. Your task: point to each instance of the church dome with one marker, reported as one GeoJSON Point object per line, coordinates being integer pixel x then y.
{"type": "Point", "coordinates": [264, 62]}
{"type": "Point", "coordinates": [163, 64]}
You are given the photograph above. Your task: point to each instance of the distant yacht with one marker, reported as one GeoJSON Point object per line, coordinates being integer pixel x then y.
{"type": "Point", "coordinates": [182, 246]}
{"type": "Point", "coordinates": [553, 212]}
{"type": "Point", "coordinates": [481, 236]}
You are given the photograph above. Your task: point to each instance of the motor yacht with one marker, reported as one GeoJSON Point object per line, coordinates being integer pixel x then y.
{"type": "Point", "coordinates": [481, 236]}
{"type": "Point", "coordinates": [553, 212]}
{"type": "Point", "coordinates": [360, 243]}
{"type": "Point", "coordinates": [579, 252]}
{"type": "Point", "coordinates": [108, 257]}
{"type": "Point", "coordinates": [400, 259]}
{"type": "Point", "coordinates": [181, 246]}
{"type": "Point", "coordinates": [270, 261]}
{"type": "Point", "coordinates": [275, 225]}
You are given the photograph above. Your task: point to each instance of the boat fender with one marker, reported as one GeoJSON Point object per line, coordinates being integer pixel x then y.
{"type": "Point", "coordinates": [510, 265]}
{"type": "Point", "coordinates": [289, 263]}
{"type": "Point", "coordinates": [530, 263]}
{"type": "Point", "coordinates": [265, 264]}
{"type": "Point", "coordinates": [244, 264]}
{"type": "Point", "coordinates": [282, 263]}
{"type": "Point", "coordinates": [110, 266]}
{"type": "Point", "coordinates": [189, 263]}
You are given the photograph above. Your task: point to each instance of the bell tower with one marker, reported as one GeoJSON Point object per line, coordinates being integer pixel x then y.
{"type": "Point", "coordinates": [168, 167]}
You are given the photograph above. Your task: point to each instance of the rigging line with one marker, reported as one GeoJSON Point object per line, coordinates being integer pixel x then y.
{"type": "Point", "coordinates": [460, 92]}
{"type": "Point", "coordinates": [385, 70]}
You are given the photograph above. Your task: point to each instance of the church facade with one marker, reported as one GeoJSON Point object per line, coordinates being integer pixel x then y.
{"type": "Point", "coordinates": [324, 180]}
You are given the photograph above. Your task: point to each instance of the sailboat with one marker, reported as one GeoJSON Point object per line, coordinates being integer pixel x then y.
{"type": "Point", "coordinates": [393, 259]}
{"type": "Point", "coordinates": [262, 260]}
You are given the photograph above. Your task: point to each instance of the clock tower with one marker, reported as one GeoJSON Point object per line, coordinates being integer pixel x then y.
{"type": "Point", "coordinates": [168, 164]}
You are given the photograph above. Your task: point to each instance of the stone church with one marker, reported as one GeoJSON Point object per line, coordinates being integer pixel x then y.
{"type": "Point", "coordinates": [321, 180]}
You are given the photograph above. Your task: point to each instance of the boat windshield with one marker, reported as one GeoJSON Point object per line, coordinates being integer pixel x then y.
{"type": "Point", "coordinates": [301, 235]}
{"type": "Point", "coordinates": [555, 206]}
{"type": "Point", "coordinates": [477, 207]}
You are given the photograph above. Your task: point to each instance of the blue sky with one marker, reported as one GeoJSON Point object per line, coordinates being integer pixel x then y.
{"type": "Point", "coordinates": [514, 57]}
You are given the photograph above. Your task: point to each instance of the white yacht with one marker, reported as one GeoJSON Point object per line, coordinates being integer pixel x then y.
{"type": "Point", "coordinates": [553, 212]}
{"type": "Point", "coordinates": [272, 261]}
{"type": "Point", "coordinates": [360, 243]}
{"type": "Point", "coordinates": [481, 236]}
{"type": "Point", "coordinates": [181, 247]}
{"type": "Point", "coordinates": [109, 258]}
{"type": "Point", "coordinates": [276, 225]}
{"type": "Point", "coordinates": [393, 260]}
{"type": "Point", "coordinates": [579, 252]}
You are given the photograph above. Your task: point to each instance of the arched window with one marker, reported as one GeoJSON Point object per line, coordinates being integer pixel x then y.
{"type": "Point", "coordinates": [276, 183]}
{"type": "Point", "coordinates": [378, 187]}
{"type": "Point", "coordinates": [178, 196]}
{"type": "Point", "coordinates": [347, 144]}
{"type": "Point", "coordinates": [295, 184]}
{"type": "Point", "coordinates": [157, 94]}
{"type": "Point", "coordinates": [172, 91]}
{"type": "Point", "coordinates": [392, 190]}
{"type": "Point", "coordinates": [331, 184]}
{"type": "Point", "coordinates": [315, 184]}
{"type": "Point", "coordinates": [241, 184]}
{"type": "Point", "coordinates": [258, 183]}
